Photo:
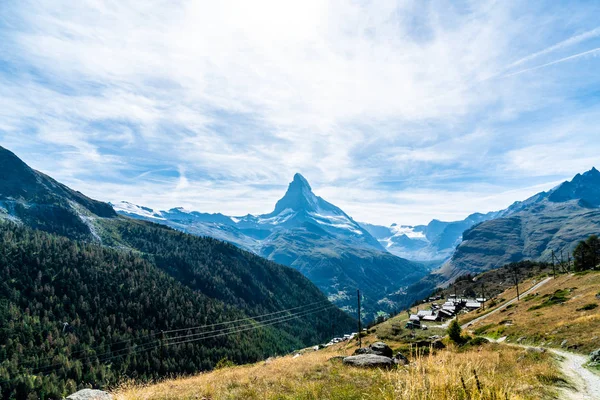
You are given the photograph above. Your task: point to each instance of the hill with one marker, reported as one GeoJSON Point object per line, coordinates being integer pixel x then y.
{"type": "Point", "coordinates": [313, 236]}
{"type": "Point", "coordinates": [30, 197]}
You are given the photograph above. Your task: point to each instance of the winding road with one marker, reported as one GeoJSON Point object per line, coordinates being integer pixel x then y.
{"type": "Point", "coordinates": [508, 303]}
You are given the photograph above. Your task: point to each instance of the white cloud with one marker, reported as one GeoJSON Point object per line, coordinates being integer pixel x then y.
{"type": "Point", "coordinates": [352, 94]}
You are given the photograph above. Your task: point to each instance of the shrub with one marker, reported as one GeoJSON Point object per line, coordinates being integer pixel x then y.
{"type": "Point", "coordinates": [478, 341]}
{"type": "Point", "coordinates": [559, 297]}
{"type": "Point", "coordinates": [588, 307]}
{"type": "Point", "coordinates": [224, 363]}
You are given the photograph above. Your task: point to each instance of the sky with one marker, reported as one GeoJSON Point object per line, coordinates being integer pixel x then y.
{"type": "Point", "coordinates": [395, 111]}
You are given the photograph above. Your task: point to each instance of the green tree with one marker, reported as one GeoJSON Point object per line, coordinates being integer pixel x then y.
{"type": "Point", "coordinates": [593, 244]}
{"type": "Point", "coordinates": [455, 332]}
{"type": "Point", "coordinates": [581, 256]}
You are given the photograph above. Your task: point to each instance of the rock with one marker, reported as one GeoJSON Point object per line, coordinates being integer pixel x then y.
{"type": "Point", "coordinates": [90, 394]}
{"type": "Point", "coordinates": [381, 349]}
{"type": "Point", "coordinates": [363, 350]}
{"type": "Point", "coordinates": [595, 356]}
{"type": "Point", "coordinates": [438, 345]}
{"type": "Point", "coordinates": [369, 361]}
{"type": "Point", "coordinates": [400, 359]}
{"type": "Point", "coordinates": [564, 343]}
{"type": "Point", "coordinates": [521, 339]}
{"type": "Point", "coordinates": [297, 355]}
{"type": "Point", "coordinates": [536, 350]}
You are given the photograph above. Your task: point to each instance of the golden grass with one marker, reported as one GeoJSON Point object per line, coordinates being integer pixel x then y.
{"type": "Point", "coordinates": [553, 324]}
{"type": "Point", "coordinates": [502, 372]}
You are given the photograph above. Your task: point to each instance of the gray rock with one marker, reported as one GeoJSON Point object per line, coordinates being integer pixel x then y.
{"type": "Point", "coordinates": [536, 350]}
{"type": "Point", "coordinates": [595, 356]}
{"type": "Point", "coordinates": [400, 359]}
{"type": "Point", "coordinates": [564, 343]}
{"type": "Point", "coordinates": [381, 349]}
{"type": "Point", "coordinates": [521, 339]}
{"type": "Point", "coordinates": [363, 350]}
{"type": "Point", "coordinates": [369, 361]}
{"type": "Point", "coordinates": [90, 394]}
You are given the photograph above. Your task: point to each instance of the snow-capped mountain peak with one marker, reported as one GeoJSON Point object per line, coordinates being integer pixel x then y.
{"type": "Point", "coordinates": [130, 209]}
{"type": "Point", "coordinates": [299, 197]}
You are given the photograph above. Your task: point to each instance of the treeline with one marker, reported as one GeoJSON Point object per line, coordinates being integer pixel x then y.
{"type": "Point", "coordinates": [587, 254]}
{"type": "Point", "coordinates": [76, 315]}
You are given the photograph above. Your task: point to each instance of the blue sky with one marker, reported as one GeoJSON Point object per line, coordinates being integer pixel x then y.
{"type": "Point", "coordinates": [395, 111]}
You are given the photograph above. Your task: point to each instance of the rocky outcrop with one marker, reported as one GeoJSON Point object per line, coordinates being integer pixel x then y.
{"type": "Point", "coordinates": [369, 361]}
{"type": "Point", "coordinates": [90, 394]}
{"type": "Point", "coordinates": [378, 349]}
{"type": "Point", "coordinates": [381, 349]}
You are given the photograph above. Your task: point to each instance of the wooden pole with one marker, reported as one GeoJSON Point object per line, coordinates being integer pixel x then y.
{"type": "Point", "coordinates": [359, 325]}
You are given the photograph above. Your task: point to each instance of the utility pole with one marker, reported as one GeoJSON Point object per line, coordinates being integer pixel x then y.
{"type": "Point", "coordinates": [162, 354]}
{"type": "Point", "coordinates": [553, 265]}
{"type": "Point", "coordinates": [517, 283]}
{"type": "Point", "coordinates": [483, 294]}
{"type": "Point", "coordinates": [359, 327]}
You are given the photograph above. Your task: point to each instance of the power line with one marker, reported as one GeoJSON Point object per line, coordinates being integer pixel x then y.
{"type": "Point", "coordinates": [101, 358]}
{"type": "Point", "coordinates": [153, 334]}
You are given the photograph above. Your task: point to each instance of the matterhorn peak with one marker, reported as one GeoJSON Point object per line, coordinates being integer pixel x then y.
{"type": "Point", "coordinates": [299, 197]}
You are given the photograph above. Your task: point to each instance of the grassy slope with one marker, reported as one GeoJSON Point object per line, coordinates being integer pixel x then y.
{"type": "Point", "coordinates": [315, 376]}
{"type": "Point", "coordinates": [503, 372]}
{"type": "Point", "coordinates": [545, 318]}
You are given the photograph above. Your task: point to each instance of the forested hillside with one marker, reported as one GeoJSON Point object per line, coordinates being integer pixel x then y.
{"type": "Point", "coordinates": [76, 314]}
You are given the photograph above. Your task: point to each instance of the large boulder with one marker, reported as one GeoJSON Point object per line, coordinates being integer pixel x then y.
{"type": "Point", "coordinates": [595, 356]}
{"type": "Point", "coordinates": [381, 349]}
{"type": "Point", "coordinates": [90, 394]}
{"type": "Point", "coordinates": [369, 361]}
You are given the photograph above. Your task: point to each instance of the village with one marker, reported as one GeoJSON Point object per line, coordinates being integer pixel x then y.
{"type": "Point", "coordinates": [437, 312]}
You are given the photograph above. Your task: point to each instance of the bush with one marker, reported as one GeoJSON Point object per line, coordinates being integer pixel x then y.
{"type": "Point", "coordinates": [478, 341]}
{"type": "Point", "coordinates": [224, 363]}
{"type": "Point", "coordinates": [588, 307]}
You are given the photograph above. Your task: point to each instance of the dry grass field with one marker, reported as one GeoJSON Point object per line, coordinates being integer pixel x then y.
{"type": "Point", "coordinates": [489, 372]}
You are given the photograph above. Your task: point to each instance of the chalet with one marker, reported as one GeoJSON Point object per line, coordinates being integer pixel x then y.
{"type": "Point", "coordinates": [424, 313]}
{"type": "Point", "coordinates": [473, 305]}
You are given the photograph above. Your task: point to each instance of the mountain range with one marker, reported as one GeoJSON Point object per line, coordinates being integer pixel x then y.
{"type": "Point", "coordinates": [311, 235]}
{"type": "Point", "coordinates": [434, 242]}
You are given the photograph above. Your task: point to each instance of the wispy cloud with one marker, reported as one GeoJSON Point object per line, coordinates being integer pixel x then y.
{"type": "Point", "coordinates": [214, 105]}
{"type": "Point", "coordinates": [573, 40]}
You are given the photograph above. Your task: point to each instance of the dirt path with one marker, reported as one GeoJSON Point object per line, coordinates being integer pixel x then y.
{"type": "Point", "coordinates": [586, 382]}
{"type": "Point", "coordinates": [508, 303]}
